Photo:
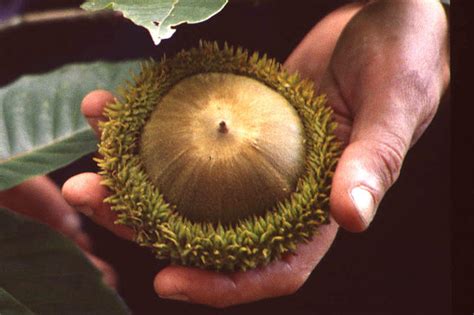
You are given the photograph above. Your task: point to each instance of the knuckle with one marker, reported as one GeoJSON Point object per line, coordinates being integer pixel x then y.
{"type": "Point", "coordinates": [285, 280]}
{"type": "Point", "coordinates": [291, 287]}
{"type": "Point", "coordinates": [389, 154]}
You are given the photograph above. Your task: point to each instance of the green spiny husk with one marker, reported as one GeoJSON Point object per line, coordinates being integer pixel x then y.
{"type": "Point", "coordinates": [250, 242]}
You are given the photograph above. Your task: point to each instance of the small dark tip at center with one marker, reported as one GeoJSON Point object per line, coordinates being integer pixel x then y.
{"type": "Point", "coordinates": [223, 127]}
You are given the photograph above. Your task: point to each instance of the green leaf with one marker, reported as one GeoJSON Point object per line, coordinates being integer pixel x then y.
{"type": "Point", "coordinates": [160, 16]}
{"type": "Point", "coordinates": [41, 125]}
{"type": "Point", "coordinates": [48, 273]}
{"type": "Point", "coordinates": [10, 306]}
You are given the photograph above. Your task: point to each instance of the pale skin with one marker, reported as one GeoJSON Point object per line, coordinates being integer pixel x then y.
{"type": "Point", "coordinates": [384, 66]}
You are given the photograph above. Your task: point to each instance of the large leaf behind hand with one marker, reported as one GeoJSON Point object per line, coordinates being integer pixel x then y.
{"type": "Point", "coordinates": [42, 271]}
{"type": "Point", "coordinates": [160, 16]}
{"type": "Point", "coordinates": [41, 125]}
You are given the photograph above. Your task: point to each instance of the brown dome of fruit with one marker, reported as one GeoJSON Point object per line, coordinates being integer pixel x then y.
{"type": "Point", "coordinates": [222, 147]}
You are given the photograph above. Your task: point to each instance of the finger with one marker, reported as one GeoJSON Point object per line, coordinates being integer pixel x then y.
{"type": "Point", "coordinates": [40, 199]}
{"type": "Point", "coordinates": [83, 241]}
{"type": "Point", "coordinates": [93, 105]}
{"type": "Point", "coordinates": [85, 193]}
{"type": "Point", "coordinates": [109, 276]}
{"type": "Point", "coordinates": [381, 134]}
{"type": "Point", "coordinates": [216, 289]}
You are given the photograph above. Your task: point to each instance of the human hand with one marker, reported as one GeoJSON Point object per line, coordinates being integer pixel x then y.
{"type": "Point", "coordinates": [85, 193]}
{"type": "Point", "coordinates": [286, 276]}
{"type": "Point", "coordinates": [384, 81]}
{"type": "Point", "coordinates": [40, 199]}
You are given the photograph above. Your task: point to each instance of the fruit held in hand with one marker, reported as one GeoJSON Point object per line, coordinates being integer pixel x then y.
{"type": "Point", "coordinates": [222, 147]}
{"type": "Point", "coordinates": [218, 159]}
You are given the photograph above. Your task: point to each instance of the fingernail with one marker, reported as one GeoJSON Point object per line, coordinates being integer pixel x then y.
{"type": "Point", "coordinates": [72, 222]}
{"type": "Point", "coordinates": [177, 297]}
{"type": "Point", "coordinates": [364, 203]}
{"type": "Point", "coordinates": [85, 210]}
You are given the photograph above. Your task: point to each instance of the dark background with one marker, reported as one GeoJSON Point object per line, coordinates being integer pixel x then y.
{"type": "Point", "coordinates": [401, 265]}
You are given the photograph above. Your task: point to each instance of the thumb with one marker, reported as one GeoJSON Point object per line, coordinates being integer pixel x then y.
{"type": "Point", "coordinates": [367, 168]}
{"type": "Point", "coordinates": [384, 82]}
{"type": "Point", "coordinates": [379, 139]}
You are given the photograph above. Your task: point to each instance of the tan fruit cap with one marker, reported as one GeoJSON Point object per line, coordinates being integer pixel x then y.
{"type": "Point", "coordinates": [218, 159]}
{"type": "Point", "coordinates": [222, 147]}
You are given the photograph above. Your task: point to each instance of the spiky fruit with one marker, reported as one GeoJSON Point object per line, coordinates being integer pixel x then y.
{"type": "Point", "coordinates": [218, 159]}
